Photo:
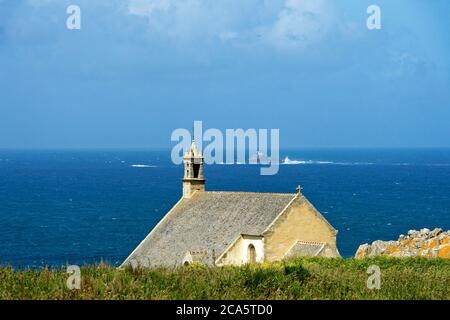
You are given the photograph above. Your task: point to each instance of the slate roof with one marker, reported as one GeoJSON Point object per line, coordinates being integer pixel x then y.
{"type": "Point", "coordinates": [209, 221]}
{"type": "Point", "coordinates": [305, 249]}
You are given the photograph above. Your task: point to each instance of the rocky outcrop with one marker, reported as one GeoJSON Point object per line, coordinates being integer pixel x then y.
{"type": "Point", "coordinates": [423, 243]}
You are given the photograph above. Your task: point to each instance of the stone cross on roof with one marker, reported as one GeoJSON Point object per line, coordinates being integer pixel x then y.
{"type": "Point", "coordinates": [299, 189]}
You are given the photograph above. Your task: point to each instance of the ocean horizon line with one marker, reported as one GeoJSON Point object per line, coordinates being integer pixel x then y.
{"type": "Point", "coordinates": [402, 148]}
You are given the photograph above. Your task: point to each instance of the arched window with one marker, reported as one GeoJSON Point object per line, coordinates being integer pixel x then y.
{"type": "Point", "coordinates": [251, 254]}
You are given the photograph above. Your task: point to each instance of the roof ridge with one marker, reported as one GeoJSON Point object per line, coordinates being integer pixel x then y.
{"type": "Point", "coordinates": [254, 192]}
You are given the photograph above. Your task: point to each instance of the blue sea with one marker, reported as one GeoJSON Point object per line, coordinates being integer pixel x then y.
{"type": "Point", "coordinates": [75, 207]}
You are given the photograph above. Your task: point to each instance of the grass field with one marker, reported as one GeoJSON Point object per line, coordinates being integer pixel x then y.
{"type": "Point", "coordinates": [312, 278]}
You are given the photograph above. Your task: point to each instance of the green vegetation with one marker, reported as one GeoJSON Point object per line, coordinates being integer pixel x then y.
{"type": "Point", "coordinates": [312, 278]}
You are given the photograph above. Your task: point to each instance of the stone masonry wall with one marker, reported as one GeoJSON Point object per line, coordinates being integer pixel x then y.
{"type": "Point", "coordinates": [299, 223]}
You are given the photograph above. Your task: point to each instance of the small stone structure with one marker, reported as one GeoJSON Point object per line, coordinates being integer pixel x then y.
{"type": "Point", "coordinates": [233, 228]}
{"type": "Point", "coordinates": [423, 243]}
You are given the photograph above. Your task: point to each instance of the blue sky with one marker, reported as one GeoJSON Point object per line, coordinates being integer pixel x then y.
{"type": "Point", "coordinates": [139, 69]}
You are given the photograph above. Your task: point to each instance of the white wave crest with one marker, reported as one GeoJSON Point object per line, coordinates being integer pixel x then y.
{"type": "Point", "coordinates": [288, 161]}
{"type": "Point", "coordinates": [142, 166]}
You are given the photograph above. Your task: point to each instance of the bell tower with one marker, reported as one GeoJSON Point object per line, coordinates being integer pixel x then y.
{"type": "Point", "coordinates": [193, 179]}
